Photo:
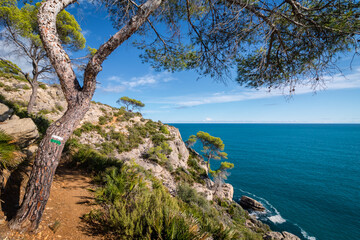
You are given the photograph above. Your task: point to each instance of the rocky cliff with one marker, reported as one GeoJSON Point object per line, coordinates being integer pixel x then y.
{"type": "Point", "coordinates": [119, 134]}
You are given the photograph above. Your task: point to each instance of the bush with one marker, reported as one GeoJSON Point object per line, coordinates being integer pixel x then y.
{"type": "Point", "coordinates": [159, 153]}
{"type": "Point", "coordinates": [164, 130]}
{"type": "Point", "coordinates": [43, 86]}
{"type": "Point", "coordinates": [7, 151]}
{"type": "Point", "coordinates": [59, 107]}
{"type": "Point", "coordinates": [134, 210]}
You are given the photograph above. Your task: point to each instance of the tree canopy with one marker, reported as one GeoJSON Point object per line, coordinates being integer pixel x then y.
{"type": "Point", "coordinates": [213, 148]}
{"type": "Point", "coordinates": [130, 103]}
{"type": "Point", "coordinates": [21, 30]}
{"type": "Point", "coordinates": [269, 43]}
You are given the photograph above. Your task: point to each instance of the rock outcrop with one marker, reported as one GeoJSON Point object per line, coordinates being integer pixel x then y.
{"type": "Point", "coordinates": [251, 204]}
{"type": "Point", "coordinates": [5, 112]}
{"type": "Point", "coordinates": [280, 236]}
{"type": "Point", "coordinates": [24, 130]}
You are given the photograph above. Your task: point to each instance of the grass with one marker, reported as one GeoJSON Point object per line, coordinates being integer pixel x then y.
{"type": "Point", "coordinates": [8, 150]}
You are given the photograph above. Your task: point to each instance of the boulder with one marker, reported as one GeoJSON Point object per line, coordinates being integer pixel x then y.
{"type": "Point", "coordinates": [226, 191]}
{"type": "Point", "coordinates": [24, 131]}
{"type": "Point", "coordinates": [5, 112]}
{"type": "Point", "coordinates": [251, 204]}
{"type": "Point", "coordinates": [280, 236]}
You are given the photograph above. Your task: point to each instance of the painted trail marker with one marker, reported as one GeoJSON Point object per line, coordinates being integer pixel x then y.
{"type": "Point", "coordinates": [56, 139]}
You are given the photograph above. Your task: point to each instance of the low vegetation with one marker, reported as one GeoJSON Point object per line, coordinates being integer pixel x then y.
{"type": "Point", "coordinates": [8, 148]}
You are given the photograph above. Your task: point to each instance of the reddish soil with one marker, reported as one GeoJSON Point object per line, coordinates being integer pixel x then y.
{"type": "Point", "coordinates": [69, 200]}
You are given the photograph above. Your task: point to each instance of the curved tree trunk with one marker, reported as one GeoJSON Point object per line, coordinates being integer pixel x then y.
{"type": "Point", "coordinates": [33, 96]}
{"type": "Point", "coordinates": [78, 98]}
{"type": "Point", "coordinates": [47, 159]}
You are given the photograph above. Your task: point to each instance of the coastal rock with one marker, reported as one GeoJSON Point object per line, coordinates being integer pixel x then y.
{"type": "Point", "coordinates": [251, 204]}
{"type": "Point", "coordinates": [280, 236]}
{"type": "Point", "coordinates": [225, 192]}
{"type": "Point", "coordinates": [23, 130]}
{"type": "Point", "coordinates": [5, 112]}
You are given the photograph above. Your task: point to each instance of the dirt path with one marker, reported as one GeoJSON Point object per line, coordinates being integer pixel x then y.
{"type": "Point", "coordinates": [69, 201]}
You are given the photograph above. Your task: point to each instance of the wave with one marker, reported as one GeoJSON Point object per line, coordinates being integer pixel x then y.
{"type": "Point", "coordinates": [277, 218]}
{"type": "Point", "coordinates": [305, 234]}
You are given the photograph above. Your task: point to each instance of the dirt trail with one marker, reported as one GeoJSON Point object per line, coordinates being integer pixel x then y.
{"type": "Point", "coordinates": [69, 201]}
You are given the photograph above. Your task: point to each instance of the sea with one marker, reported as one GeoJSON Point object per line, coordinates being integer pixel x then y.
{"type": "Point", "coordinates": [306, 175]}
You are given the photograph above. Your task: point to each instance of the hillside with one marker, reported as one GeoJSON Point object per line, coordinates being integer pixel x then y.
{"type": "Point", "coordinates": [147, 183]}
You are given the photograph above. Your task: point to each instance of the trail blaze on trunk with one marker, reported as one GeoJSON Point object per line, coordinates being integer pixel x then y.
{"type": "Point", "coordinates": [78, 98]}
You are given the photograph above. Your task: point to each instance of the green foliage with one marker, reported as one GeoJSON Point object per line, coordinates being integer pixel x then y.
{"type": "Point", "coordinates": [7, 151]}
{"type": "Point", "coordinates": [135, 208]}
{"type": "Point", "coordinates": [43, 86]}
{"type": "Point", "coordinates": [130, 102]}
{"type": "Point", "coordinates": [59, 107]}
{"type": "Point", "coordinates": [10, 70]}
{"type": "Point", "coordinates": [191, 141]}
{"type": "Point", "coordinates": [24, 22]}
{"type": "Point", "coordinates": [159, 153]}
{"type": "Point", "coordinates": [104, 119]}
{"type": "Point", "coordinates": [91, 160]}
{"type": "Point", "coordinates": [164, 130]}
{"type": "Point", "coordinates": [89, 127]}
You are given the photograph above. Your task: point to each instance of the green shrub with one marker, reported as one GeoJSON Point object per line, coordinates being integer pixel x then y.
{"type": "Point", "coordinates": [159, 153]}
{"type": "Point", "coordinates": [134, 210]}
{"type": "Point", "coordinates": [8, 88]}
{"type": "Point", "coordinates": [59, 107]}
{"type": "Point", "coordinates": [7, 151]}
{"type": "Point", "coordinates": [104, 120]}
{"type": "Point", "coordinates": [26, 87]}
{"type": "Point", "coordinates": [44, 112]}
{"type": "Point", "coordinates": [43, 86]}
{"type": "Point", "coordinates": [164, 130]}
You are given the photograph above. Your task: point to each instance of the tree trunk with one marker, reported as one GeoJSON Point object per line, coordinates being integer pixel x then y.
{"type": "Point", "coordinates": [38, 188]}
{"type": "Point", "coordinates": [47, 159]}
{"type": "Point", "coordinates": [33, 96]}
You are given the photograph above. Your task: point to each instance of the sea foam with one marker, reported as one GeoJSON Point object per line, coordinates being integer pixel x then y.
{"type": "Point", "coordinates": [277, 219]}
{"type": "Point", "coordinates": [305, 234]}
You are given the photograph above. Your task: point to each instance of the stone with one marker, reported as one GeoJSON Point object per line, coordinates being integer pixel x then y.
{"type": "Point", "coordinates": [24, 130]}
{"type": "Point", "coordinates": [280, 236]}
{"type": "Point", "coordinates": [14, 117]}
{"type": "Point", "coordinates": [273, 236]}
{"type": "Point", "coordinates": [251, 204]}
{"type": "Point", "coordinates": [226, 191]}
{"type": "Point", "coordinates": [5, 112]}
{"type": "Point", "coordinates": [290, 236]}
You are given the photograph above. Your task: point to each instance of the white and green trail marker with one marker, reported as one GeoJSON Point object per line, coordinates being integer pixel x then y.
{"type": "Point", "coordinates": [56, 139]}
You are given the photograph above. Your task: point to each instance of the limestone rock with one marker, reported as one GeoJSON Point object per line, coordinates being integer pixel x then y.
{"type": "Point", "coordinates": [5, 112]}
{"type": "Point", "coordinates": [289, 236]}
{"type": "Point", "coordinates": [251, 204]}
{"type": "Point", "coordinates": [226, 191]}
{"type": "Point", "coordinates": [280, 236]}
{"type": "Point", "coordinates": [14, 117]}
{"type": "Point", "coordinates": [23, 130]}
{"type": "Point", "coordinates": [273, 236]}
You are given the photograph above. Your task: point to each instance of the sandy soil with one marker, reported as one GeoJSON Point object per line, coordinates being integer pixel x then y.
{"type": "Point", "coordinates": [69, 201]}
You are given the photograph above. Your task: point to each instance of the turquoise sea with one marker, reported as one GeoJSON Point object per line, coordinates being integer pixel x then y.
{"type": "Point", "coordinates": [306, 175]}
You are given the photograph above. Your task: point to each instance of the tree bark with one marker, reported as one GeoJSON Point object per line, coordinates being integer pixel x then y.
{"type": "Point", "coordinates": [38, 188]}
{"type": "Point", "coordinates": [34, 88]}
{"type": "Point", "coordinates": [47, 159]}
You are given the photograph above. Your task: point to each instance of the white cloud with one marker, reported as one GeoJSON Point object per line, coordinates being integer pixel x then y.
{"type": "Point", "coordinates": [8, 50]}
{"type": "Point", "coordinates": [136, 83]}
{"type": "Point", "coordinates": [208, 119]}
{"type": "Point", "coordinates": [112, 88]}
{"type": "Point", "coordinates": [332, 83]}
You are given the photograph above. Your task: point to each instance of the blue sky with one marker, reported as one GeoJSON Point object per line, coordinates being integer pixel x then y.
{"type": "Point", "coordinates": [182, 97]}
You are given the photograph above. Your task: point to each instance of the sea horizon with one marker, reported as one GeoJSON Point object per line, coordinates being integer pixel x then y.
{"type": "Point", "coordinates": [306, 175]}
